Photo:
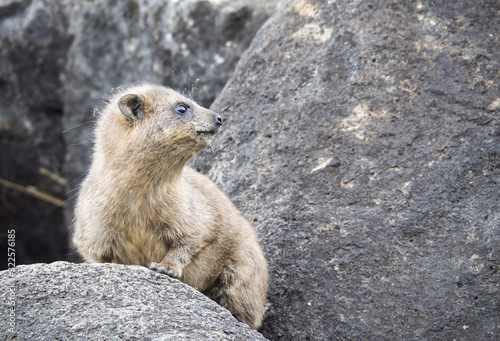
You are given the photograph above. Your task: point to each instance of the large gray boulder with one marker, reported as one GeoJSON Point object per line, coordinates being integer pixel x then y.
{"type": "Point", "coordinates": [66, 301]}
{"type": "Point", "coordinates": [362, 139]}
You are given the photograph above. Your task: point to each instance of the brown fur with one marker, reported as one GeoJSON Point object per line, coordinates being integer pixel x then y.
{"type": "Point", "coordinates": [141, 205]}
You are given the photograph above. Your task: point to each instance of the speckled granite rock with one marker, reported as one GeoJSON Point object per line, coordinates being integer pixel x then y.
{"type": "Point", "coordinates": [67, 301]}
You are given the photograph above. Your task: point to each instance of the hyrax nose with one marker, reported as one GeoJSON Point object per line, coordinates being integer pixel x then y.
{"type": "Point", "coordinates": [217, 119]}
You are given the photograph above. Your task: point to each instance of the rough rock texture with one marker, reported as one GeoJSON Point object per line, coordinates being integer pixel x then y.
{"type": "Point", "coordinates": [362, 139]}
{"type": "Point", "coordinates": [59, 60]}
{"type": "Point", "coordinates": [65, 301]}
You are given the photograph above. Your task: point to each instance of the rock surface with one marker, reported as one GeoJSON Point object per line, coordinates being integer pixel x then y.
{"type": "Point", "coordinates": [362, 139]}
{"type": "Point", "coordinates": [65, 301]}
{"type": "Point", "coordinates": [60, 59]}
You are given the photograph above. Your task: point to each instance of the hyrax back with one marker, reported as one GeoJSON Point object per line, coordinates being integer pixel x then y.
{"type": "Point", "coordinates": [141, 205]}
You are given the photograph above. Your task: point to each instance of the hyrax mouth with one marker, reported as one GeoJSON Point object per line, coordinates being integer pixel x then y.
{"type": "Point", "coordinates": [207, 131]}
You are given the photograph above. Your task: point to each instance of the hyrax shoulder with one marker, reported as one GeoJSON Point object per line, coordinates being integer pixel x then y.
{"type": "Point", "coordinates": [140, 203]}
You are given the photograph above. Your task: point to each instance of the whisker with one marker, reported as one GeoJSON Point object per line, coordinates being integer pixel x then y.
{"type": "Point", "coordinates": [79, 125]}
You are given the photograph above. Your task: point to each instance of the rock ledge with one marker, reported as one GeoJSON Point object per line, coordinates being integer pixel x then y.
{"type": "Point", "coordinates": [64, 300]}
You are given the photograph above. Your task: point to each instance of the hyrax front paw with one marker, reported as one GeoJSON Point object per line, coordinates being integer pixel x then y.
{"type": "Point", "coordinates": [164, 270]}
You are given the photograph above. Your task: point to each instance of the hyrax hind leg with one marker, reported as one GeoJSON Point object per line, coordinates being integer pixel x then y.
{"type": "Point", "coordinates": [242, 290]}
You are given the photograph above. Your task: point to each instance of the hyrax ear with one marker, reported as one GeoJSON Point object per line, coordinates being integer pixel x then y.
{"type": "Point", "coordinates": [131, 106]}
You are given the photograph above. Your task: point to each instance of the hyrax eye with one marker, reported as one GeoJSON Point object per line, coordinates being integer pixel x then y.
{"type": "Point", "coordinates": [182, 109]}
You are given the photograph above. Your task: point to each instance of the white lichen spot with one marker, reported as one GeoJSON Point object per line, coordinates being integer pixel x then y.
{"type": "Point", "coordinates": [360, 119]}
{"type": "Point", "coordinates": [355, 121]}
{"type": "Point", "coordinates": [409, 86]}
{"type": "Point", "coordinates": [494, 105]}
{"type": "Point", "coordinates": [157, 66]}
{"type": "Point", "coordinates": [347, 184]}
{"type": "Point", "coordinates": [428, 19]}
{"type": "Point", "coordinates": [406, 188]}
{"type": "Point", "coordinates": [133, 44]}
{"type": "Point", "coordinates": [322, 165]}
{"type": "Point", "coordinates": [429, 43]}
{"type": "Point", "coordinates": [305, 8]}
{"type": "Point", "coordinates": [219, 59]}
{"type": "Point", "coordinates": [319, 34]}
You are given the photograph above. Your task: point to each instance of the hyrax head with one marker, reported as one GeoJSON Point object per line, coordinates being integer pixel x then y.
{"type": "Point", "coordinates": [151, 122]}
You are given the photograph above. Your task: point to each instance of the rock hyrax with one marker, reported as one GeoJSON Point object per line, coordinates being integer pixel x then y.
{"type": "Point", "coordinates": [140, 203]}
